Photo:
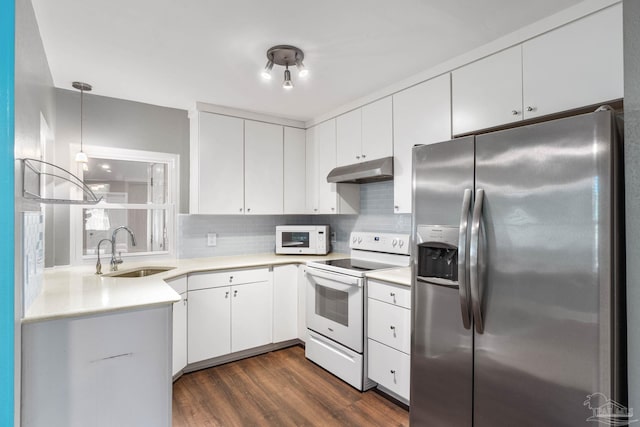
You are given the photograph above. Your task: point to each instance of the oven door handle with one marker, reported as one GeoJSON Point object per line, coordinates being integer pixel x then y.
{"type": "Point", "coordinates": [340, 278]}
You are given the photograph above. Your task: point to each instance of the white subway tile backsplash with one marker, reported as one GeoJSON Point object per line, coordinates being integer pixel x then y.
{"type": "Point", "coordinates": [238, 234]}
{"type": "Point", "coordinates": [33, 256]}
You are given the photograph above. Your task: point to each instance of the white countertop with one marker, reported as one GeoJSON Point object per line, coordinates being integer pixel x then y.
{"type": "Point", "coordinates": [77, 291]}
{"type": "Point", "coordinates": [400, 275]}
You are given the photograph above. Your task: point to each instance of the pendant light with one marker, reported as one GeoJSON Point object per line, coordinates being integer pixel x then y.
{"type": "Point", "coordinates": [285, 56]}
{"type": "Point", "coordinates": [81, 157]}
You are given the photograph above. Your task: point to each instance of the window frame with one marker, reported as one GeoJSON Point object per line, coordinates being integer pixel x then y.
{"type": "Point", "coordinates": [173, 196]}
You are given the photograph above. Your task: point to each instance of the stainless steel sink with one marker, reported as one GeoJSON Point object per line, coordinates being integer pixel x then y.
{"type": "Point", "coordinates": [140, 272]}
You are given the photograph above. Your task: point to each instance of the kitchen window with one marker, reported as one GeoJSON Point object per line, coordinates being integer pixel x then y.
{"type": "Point", "coordinates": [139, 191]}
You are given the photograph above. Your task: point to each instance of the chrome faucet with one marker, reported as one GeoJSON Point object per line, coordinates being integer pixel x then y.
{"type": "Point", "coordinates": [99, 264]}
{"type": "Point", "coordinates": [115, 261]}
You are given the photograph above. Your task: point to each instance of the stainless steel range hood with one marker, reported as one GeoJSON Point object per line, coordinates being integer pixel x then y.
{"type": "Point", "coordinates": [371, 171]}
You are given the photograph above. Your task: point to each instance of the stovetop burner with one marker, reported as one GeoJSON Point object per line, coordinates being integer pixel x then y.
{"type": "Point", "coordinates": [355, 264]}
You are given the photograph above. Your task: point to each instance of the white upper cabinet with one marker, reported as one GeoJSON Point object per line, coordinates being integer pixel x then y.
{"type": "Point", "coordinates": [573, 66]}
{"type": "Point", "coordinates": [377, 129]}
{"type": "Point", "coordinates": [263, 168]}
{"type": "Point", "coordinates": [324, 197]}
{"type": "Point", "coordinates": [325, 139]}
{"type": "Point", "coordinates": [488, 92]}
{"type": "Point", "coordinates": [349, 138]}
{"type": "Point", "coordinates": [294, 171]}
{"type": "Point", "coordinates": [421, 115]}
{"type": "Point", "coordinates": [576, 65]}
{"type": "Point", "coordinates": [365, 134]}
{"type": "Point", "coordinates": [217, 164]}
{"type": "Point", "coordinates": [311, 163]}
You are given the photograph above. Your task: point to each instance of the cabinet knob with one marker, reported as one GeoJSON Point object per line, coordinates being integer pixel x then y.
{"type": "Point", "coordinates": [393, 328]}
{"type": "Point", "coordinates": [333, 209]}
{"type": "Point", "coordinates": [226, 294]}
{"type": "Point", "coordinates": [240, 209]}
{"type": "Point", "coordinates": [515, 112]}
{"type": "Point", "coordinates": [397, 207]}
{"type": "Point", "coordinates": [530, 108]}
{"type": "Point", "coordinates": [248, 209]}
{"type": "Point", "coordinates": [364, 156]}
{"type": "Point", "coordinates": [393, 371]}
{"type": "Point", "coordinates": [235, 293]}
{"type": "Point", "coordinates": [315, 209]}
{"type": "Point", "coordinates": [230, 278]}
{"type": "Point", "coordinates": [393, 294]}
{"type": "Point", "coordinates": [358, 157]}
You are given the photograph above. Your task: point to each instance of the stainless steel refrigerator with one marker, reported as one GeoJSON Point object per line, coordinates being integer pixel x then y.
{"type": "Point", "coordinates": [517, 294]}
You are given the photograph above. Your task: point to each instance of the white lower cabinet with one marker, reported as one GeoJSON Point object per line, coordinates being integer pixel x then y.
{"type": "Point", "coordinates": [285, 302]}
{"type": "Point", "coordinates": [229, 311]}
{"type": "Point", "coordinates": [389, 337]}
{"type": "Point", "coordinates": [251, 311]}
{"type": "Point", "coordinates": [209, 323]}
{"type": "Point", "coordinates": [390, 368]}
{"type": "Point", "coordinates": [179, 346]}
{"type": "Point", "coordinates": [111, 369]}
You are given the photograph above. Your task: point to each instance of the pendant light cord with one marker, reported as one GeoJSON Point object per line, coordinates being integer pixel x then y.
{"type": "Point", "coordinates": [81, 116]}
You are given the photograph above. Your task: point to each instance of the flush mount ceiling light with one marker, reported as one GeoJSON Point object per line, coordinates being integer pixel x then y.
{"type": "Point", "coordinates": [285, 56]}
{"type": "Point", "coordinates": [81, 157]}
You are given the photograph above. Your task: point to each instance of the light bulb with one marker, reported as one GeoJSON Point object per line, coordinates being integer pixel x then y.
{"type": "Point", "coordinates": [266, 72]}
{"type": "Point", "coordinates": [287, 84]}
{"type": "Point", "coordinates": [81, 157]}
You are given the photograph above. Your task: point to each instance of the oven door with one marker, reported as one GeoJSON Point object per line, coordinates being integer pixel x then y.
{"type": "Point", "coordinates": [335, 307]}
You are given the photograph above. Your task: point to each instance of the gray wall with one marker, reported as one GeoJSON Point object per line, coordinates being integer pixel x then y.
{"type": "Point", "coordinates": [33, 95]}
{"type": "Point", "coordinates": [117, 123]}
{"type": "Point", "coordinates": [111, 122]}
{"type": "Point", "coordinates": [632, 189]}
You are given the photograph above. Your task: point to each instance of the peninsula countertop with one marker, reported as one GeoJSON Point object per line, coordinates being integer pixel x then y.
{"type": "Point", "coordinates": [78, 291]}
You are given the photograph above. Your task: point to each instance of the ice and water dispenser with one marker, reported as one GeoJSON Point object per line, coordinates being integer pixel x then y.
{"type": "Point", "coordinates": [438, 254]}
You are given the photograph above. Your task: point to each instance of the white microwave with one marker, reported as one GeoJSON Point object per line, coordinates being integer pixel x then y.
{"type": "Point", "coordinates": [302, 239]}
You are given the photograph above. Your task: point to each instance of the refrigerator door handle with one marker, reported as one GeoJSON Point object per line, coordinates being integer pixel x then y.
{"type": "Point", "coordinates": [474, 276]}
{"type": "Point", "coordinates": [463, 285]}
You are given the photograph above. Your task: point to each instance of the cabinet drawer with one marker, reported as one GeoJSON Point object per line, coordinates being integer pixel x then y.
{"type": "Point", "coordinates": [390, 325]}
{"type": "Point", "coordinates": [389, 368]}
{"type": "Point", "coordinates": [178, 284]}
{"type": "Point", "coordinates": [390, 293]}
{"type": "Point", "coordinates": [226, 278]}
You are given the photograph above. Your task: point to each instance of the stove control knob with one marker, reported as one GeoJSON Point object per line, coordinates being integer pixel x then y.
{"type": "Point", "coordinates": [401, 243]}
{"type": "Point", "coordinates": [394, 242]}
{"type": "Point", "coordinates": [355, 239]}
{"type": "Point", "coordinates": [359, 239]}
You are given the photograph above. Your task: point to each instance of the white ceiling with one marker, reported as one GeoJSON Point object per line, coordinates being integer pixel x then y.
{"type": "Point", "coordinates": [174, 53]}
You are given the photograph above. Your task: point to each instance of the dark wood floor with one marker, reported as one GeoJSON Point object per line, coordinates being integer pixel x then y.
{"type": "Point", "coordinates": [280, 388]}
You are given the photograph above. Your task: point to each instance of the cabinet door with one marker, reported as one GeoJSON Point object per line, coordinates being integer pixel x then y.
{"type": "Point", "coordinates": [285, 302]}
{"type": "Point", "coordinates": [302, 303]}
{"type": "Point", "coordinates": [251, 315]}
{"type": "Point", "coordinates": [220, 165]}
{"type": "Point", "coordinates": [349, 138]}
{"type": "Point", "coordinates": [294, 171]}
{"type": "Point", "coordinates": [390, 368]}
{"type": "Point", "coordinates": [180, 334]}
{"type": "Point", "coordinates": [263, 163]}
{"type": "Point", "coordinates": [488, 92]}
{"type": "Point", "coordinates": [325, 138]}
{"type": "Point", "coordinates": [421, 115]}
{"type": "Point", "coordinates": [576, 65]}
{"type": "Point", "coordinates": [209, 333]}
{"type": "Point", "coordinates": [311, 157]}
{"type": "Point", "coordinates": [377, 129]}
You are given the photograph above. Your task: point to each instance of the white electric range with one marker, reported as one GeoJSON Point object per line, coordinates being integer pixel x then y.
{"type": "Point", "coordinates": [335, 302]}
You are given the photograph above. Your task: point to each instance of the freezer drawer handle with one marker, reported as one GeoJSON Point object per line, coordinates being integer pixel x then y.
{"type": "Point", "coordinates": [463, 283]}
{"type": "Point", "coordinates": [473, 262]}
